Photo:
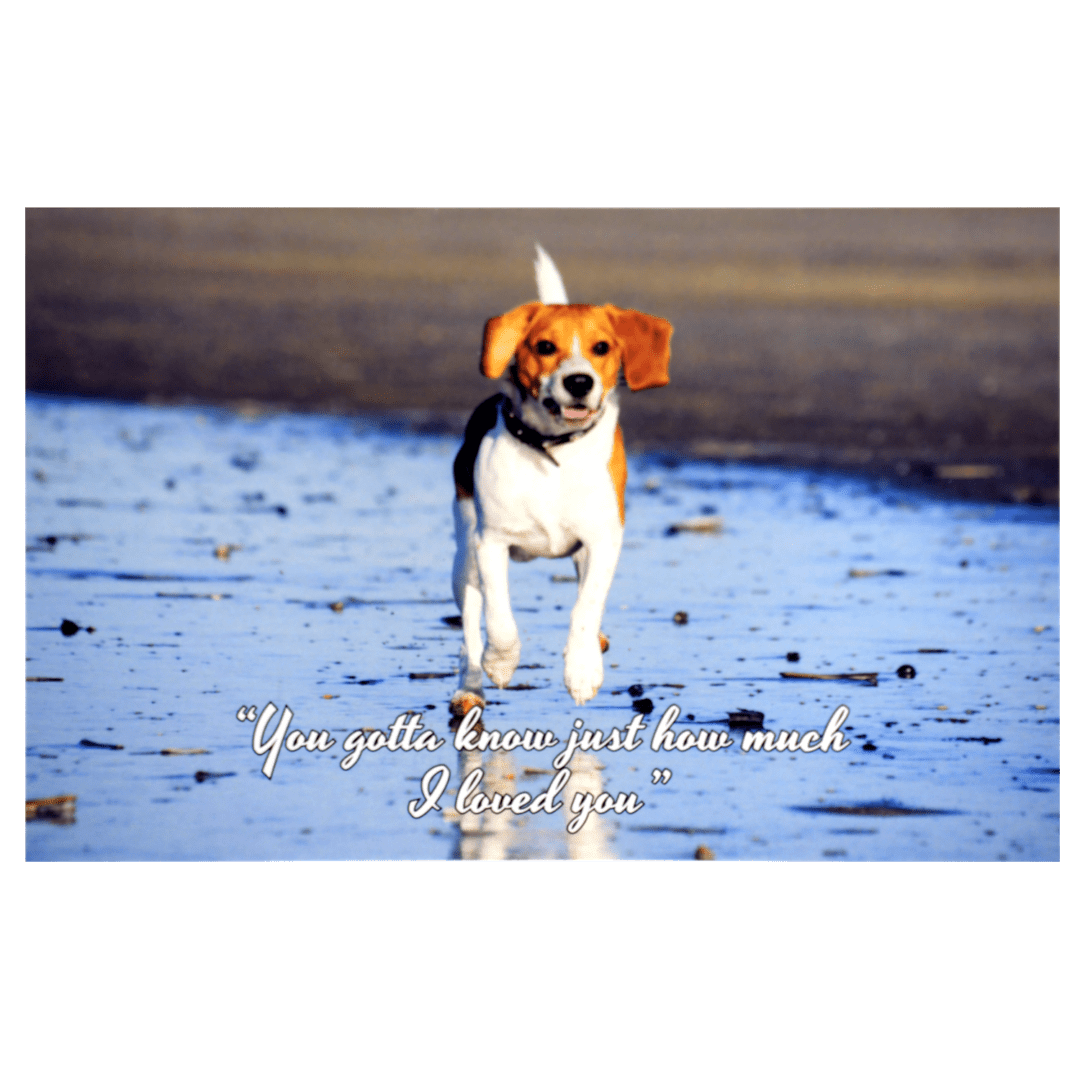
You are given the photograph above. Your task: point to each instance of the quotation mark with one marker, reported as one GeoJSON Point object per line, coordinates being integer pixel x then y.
{"type": "Point", "coordinates": [659, 777]}
{"type": "Point", "coordinates": [247, 713]}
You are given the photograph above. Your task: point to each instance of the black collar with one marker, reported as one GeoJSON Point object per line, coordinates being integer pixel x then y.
{"type": "Point", "coordinates": [531, 437]}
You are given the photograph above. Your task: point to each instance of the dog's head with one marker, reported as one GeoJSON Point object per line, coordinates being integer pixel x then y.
{"type": "Point", "coordinates": [567, 357]}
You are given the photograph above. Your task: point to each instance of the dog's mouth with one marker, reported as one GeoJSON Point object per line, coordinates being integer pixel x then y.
{"type": "Point", "coordinates": [573, 414]}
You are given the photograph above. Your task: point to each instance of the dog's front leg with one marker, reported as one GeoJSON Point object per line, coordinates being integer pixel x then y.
{"type": "Point", "coordinates": [584, 671]}
{"type": "Point", "coordinates": [503, 648]}
{"type": "Point", "coordinates": [466, 579]}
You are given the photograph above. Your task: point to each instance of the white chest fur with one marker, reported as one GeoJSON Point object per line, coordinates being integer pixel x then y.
{"type": "Point", "coordinates": [544, 509]}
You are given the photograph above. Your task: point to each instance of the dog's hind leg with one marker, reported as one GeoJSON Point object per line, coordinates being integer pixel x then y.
{"type": "Point", "coordinates": [470, 603]}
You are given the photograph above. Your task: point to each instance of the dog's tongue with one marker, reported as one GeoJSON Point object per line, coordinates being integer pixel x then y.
{"type": "Point", "coordinates": [575, 412]}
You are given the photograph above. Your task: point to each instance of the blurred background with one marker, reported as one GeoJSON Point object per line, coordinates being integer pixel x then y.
{"type": "Point", "coordinates": [920, 345]}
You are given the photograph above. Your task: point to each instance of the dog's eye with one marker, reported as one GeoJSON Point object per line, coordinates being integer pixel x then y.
{"type": "Point", "coordinates": [545, 347]}
{"type": "Point", "coordinates": [601, 348]}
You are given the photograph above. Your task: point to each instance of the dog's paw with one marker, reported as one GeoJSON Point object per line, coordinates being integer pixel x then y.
{"type": "Point", "coordinates": [584, 672]}
{"type": "Point", "coordinates": [500, 664]}
{"type": "Point", "coordinates": [464, 700]}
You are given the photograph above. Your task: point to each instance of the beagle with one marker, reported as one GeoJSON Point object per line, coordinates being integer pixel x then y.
{"type": "Point", "coordinates": [542, 473]}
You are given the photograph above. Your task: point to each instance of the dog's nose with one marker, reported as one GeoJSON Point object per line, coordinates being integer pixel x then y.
{"type": "Point", "coordinates": [578, 385]}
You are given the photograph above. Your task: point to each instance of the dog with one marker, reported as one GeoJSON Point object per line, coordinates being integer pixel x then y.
{"type": "Point", "coordinates": [542, 473]}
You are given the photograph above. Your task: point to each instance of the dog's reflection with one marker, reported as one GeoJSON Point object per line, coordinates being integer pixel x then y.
{"type": "Point", "coordinates": [505, 835]}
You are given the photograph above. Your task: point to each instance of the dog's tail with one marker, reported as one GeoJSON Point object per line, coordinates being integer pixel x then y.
{"type": "Point", "coordinates": [549, 284]}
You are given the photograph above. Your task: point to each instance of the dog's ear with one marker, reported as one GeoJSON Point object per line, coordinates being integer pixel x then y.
{"type": "Point", "coordinates": [646, 342]}
{"type": "Point", "coordinates": [502, 336]}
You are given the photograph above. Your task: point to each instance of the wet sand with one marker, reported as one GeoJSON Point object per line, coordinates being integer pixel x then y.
{"type": "Point", "coordinates": [226, 561]}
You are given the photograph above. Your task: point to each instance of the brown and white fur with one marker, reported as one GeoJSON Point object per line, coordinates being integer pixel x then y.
{"type": "Point", "coordinates": [556, 487]}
